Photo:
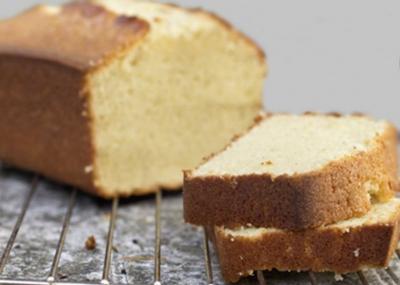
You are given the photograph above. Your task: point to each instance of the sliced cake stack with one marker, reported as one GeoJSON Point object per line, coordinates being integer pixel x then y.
{"type": "Point", "coordinates": [300, 192]}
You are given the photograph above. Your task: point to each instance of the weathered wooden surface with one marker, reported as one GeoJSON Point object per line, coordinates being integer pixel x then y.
{"type": "Point", "coordinates": [182, 256]}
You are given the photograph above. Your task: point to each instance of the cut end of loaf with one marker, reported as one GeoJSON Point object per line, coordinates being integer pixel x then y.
{"type": "Point", "coordinates": [295, 144]}
{"type": "Point", "coordinates": [178, 96]}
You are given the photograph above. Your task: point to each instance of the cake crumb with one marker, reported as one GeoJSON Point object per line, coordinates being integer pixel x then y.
{"type": "Point", "coordinates": [338, 277]}
{"type": "Point", "coordinates": [88, 169]}
{"type": "Point", "coordinates": [240, 257]}
{"type": "Point", "coordinates": [267, 162]}
{"type": "Point", "coordinates": [232, 239]}
{"type": "Point", "coordinates": [357, 252]}
{"type": "Point", "coordinates": [51, 10]}
{"type": "Point", "coordinates": [62, 276]}
{"type": "Point", "coordinates": [90, 243]}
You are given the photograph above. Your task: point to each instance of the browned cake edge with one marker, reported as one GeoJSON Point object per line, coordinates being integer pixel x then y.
{"type": "Point", "coordinates": [318, 250]}
{"type": "Point", "coordinates": [296, 202]}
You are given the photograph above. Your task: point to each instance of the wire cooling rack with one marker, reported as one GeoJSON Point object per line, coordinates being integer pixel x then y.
{"type": "Point", "coordinates": [163, 250]}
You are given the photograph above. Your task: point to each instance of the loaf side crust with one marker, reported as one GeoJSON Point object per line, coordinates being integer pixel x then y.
{"type": "Point", "coordinates": [44, 126]}
{"type": "Point", "coordinates": [334, 193]}
{"type": "Point", "coordinates": [319, 250]}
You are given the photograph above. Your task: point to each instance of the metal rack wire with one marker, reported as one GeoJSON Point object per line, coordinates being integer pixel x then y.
{"type": "Point", "coordinates": [52, 278]}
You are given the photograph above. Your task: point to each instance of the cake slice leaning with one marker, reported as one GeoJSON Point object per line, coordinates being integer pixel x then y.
{"type": "Point", "coordinates": [295, 172]}
{"type": "Point", "coordinates": [346, 246]}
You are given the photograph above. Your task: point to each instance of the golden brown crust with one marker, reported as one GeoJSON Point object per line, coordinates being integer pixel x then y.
{"type": "Point", "coordinates": [326, 249]}
{"type": "Point", "coordinates": [44, 124]}
{"type": "Point", "coordinates": [296, 202]}
{"type": "Point", "coordinates": [82, 35]}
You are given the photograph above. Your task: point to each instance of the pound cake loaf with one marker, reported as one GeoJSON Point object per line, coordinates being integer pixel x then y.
{"type": "Point", "coordinates": [117, 97]}
{"type": "Point", "coordinates": [347, 246]}
{"type": "Point", "coordinates": [295, 172]}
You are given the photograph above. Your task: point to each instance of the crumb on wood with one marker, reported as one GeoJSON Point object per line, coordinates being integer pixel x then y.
{"type": "Point", "coordinates": [90, 243]}
{"type": "Point", "coordinates": [338, 277]}
{"type": "Point", "coordinates": [115, 249]}
{"type": "Point", "coordinates": [62, 276]}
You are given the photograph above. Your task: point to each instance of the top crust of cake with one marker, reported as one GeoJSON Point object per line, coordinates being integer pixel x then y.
{"type": "Point", "coordinates": [290, 144]}
{"type": "Point", "coordinates": [174, 21]}
{"type": "Point", "coordinates": [80, 35]}
{"type": "Point", "coordinates": [95, 34]}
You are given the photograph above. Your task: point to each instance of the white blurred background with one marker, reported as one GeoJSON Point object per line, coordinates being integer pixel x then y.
{"type": "Point", "coordinates": [323, 55]}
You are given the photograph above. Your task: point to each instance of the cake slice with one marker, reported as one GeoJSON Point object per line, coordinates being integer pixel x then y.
{"type": "Point", "coordinates": [347, 246]}
{"type": "Point", "coordinates": [295, 172]}
{"type": "Point", "coordinates": [116, 97]}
